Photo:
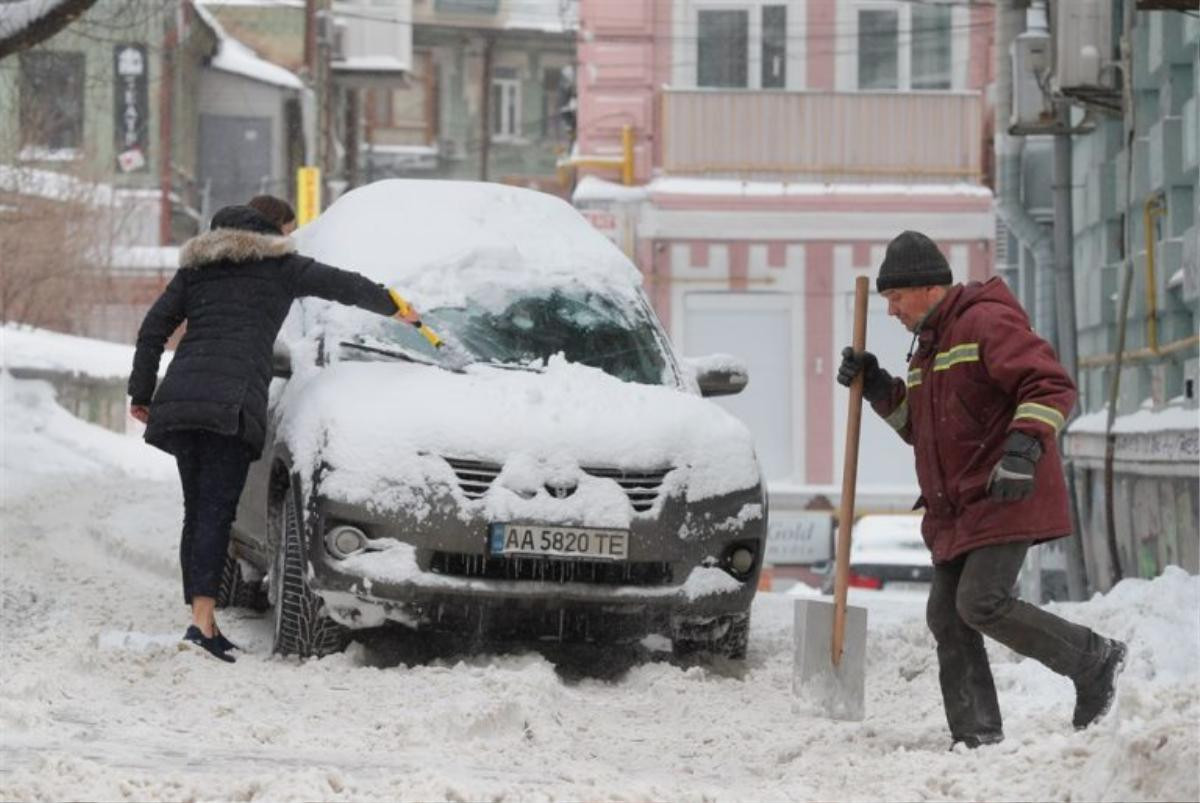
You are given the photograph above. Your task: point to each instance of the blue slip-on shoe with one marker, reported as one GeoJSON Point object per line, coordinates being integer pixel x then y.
{"type": "Point", "coordinates": [224, 644]}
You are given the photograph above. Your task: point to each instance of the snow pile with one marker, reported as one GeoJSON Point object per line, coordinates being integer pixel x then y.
{"type": "Point", "coordinates": [41, 349]}
{"type": "Point", "coordinates": [41, 440]}
{"type": "Point", "coordinates": [99, 703]}
{"type": "Point", "coordinates": [384, 428]}
{"type": "Point", "coordinates": [54, 186]}
{"type": "Point", "coordinates": [442, 242]}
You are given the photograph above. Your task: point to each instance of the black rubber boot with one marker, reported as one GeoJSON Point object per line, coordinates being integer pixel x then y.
{"type": "Point", "coordinates": [1095, 692]}
{"type": "Point", "coordinates": [209, 645]}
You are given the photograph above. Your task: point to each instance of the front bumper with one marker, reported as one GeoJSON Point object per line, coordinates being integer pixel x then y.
{"type": "Point", "coordinates": [441, 577]}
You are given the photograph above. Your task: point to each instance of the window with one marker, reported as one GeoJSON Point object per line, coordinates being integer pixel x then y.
{"type": "Point", "coordinates": [51, 114]}
{"type": "Point", "coordinates": [774, 47]}
{"type": "Point", "coordinates": [878, 49]}
{"type": "Point", "coordinates": [506, 108]}
{"type": "Point", "coordinates": [930, 47]}
{"type": "Point", "coordinates": [722, 48]}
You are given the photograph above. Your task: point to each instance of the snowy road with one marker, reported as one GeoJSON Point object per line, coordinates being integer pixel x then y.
{"type": "Point", "coordinates": [98, 702]}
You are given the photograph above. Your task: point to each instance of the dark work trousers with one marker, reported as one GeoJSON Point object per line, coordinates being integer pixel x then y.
{"type": "Point", "coordinates": [971, 597]}
{"type": "Point", "coordinates": [212, 468]}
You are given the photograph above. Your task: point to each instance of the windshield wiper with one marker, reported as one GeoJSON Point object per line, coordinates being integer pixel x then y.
{"type": "Point", "coordinates": [401, 354]}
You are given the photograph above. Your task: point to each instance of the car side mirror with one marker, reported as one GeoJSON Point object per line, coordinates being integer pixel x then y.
{"type": "Point", "coordinates": [281, 360]}
{"type": "Point", "coordinates": [718, 374]}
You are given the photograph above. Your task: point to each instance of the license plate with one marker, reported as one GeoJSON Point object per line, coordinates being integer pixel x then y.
{"type": "Point", "coordinates": [565, 542]}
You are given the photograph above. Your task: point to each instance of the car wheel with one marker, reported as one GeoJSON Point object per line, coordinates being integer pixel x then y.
{"type": "Point", "coordinates": [236, 591]}
{"type": "Point", "coordinates": [727, 636]}
{"type": "Point", "coordinates": [301, 627]}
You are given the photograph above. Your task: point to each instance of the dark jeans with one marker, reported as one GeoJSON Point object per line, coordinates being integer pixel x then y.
{"type": "Point", "coordinates": [971, 597]}
{"type": "Point", "coordinates": [212, 468]}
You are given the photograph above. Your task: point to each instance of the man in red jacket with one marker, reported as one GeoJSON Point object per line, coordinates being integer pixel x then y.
{"type": "Point", "coordinates": [982, 406]}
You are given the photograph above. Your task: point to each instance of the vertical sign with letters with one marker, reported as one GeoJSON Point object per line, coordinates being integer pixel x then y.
{"type": "Point", "coordinates": [131, 93]}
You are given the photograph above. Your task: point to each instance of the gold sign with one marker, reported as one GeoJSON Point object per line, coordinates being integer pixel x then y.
{"type": "Point", "coordinates": [308, 194]}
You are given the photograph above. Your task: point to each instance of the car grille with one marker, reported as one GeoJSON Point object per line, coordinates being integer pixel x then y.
{"type": "Point", "coordinates": [475, 477]}
{"type": "Point", "coordinates": [642, 487]}
{"type": "Point", "coordinates": [552, 570]}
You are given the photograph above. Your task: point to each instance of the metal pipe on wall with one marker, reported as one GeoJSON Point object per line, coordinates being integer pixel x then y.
{"type": "Point", "coordinates": [1030, 233]}
{"type": "Point", "coordinates": [1064, 297]}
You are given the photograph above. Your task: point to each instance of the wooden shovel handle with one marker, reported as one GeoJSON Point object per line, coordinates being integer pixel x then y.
{"type": "Point", "coordinates": [841, 578]}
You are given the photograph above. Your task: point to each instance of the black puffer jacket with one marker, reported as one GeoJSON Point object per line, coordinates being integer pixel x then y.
{"type": "Point", "coordinates": [234, 288]}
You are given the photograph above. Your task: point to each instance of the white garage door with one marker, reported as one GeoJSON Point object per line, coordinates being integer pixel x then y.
{"type": "Point", "coordinates": [756, 327]}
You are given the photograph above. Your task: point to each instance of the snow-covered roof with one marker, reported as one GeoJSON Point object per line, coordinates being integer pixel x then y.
{"type": "Point", "coordinates": [595, 189]}
{"type": "Point", "coordinates": [1174, 417]}
{"type": "Point", "coordinates": [375, 64]}
{"type": "Point", "coordinates": [687, 185]}
{"type": "Point", "coordinates": [234, 57]}
{"type": "Point", "coordinates": [43, 350]}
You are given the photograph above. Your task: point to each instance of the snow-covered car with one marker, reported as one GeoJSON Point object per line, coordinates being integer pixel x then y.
{"type": "Point", "coordinates": [886, 552]}
{"type": "Point", "coordinates": [552, 472]}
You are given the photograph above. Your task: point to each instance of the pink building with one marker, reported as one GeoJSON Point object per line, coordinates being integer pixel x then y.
{"type": "Point", "coordinates": [779, 145]}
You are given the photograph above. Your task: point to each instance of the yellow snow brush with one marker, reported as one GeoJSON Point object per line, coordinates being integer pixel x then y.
{"type": "Point", "coordinates": [403, 308]}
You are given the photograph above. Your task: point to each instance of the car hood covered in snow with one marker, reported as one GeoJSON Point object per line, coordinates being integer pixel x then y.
{"type": "Point", "coordinates": [385, 428]}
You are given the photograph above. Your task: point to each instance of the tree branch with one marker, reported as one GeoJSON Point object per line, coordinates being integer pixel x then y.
{"type": "Point", "coordinates": [42, 28]}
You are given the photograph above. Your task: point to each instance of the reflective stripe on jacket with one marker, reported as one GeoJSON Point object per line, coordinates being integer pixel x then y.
{"type": "Point", "coordinates": [979, 372]}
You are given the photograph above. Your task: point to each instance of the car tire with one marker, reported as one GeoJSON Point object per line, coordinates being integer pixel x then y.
{"type": "Point", "coordinates": [301, 626]}
{"type": "Point", "coordinates": [730, 638]}
{"type": "Point", "coordinates": [236, 591]}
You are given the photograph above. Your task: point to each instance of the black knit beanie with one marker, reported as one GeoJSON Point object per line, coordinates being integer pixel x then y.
{"type": "Point", "coordinates": [913, 260]}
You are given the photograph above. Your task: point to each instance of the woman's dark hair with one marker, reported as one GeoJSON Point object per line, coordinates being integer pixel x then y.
{"type": "Point", "coordinates": [276, 210]}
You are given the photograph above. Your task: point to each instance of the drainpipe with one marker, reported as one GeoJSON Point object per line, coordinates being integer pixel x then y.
{"type": "Point", "coordinates": [1129, 118]}
{"type": "Point", "coordinates": [1064, 296]}
{"type": "Point", "coordinates": [1031, 234]}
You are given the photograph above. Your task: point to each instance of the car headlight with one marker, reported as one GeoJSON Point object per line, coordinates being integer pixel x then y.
{"type": "Point", "coordinates": [343, 541]}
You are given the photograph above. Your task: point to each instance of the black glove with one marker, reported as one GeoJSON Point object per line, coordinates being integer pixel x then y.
{"type": "Point", "coordinates": [877, 383]}
{"type": "Point", "coordinates": [1012, 478]}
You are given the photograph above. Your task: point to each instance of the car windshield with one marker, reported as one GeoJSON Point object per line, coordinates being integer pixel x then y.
{"type": "Point", "coordinates": [585, 327]}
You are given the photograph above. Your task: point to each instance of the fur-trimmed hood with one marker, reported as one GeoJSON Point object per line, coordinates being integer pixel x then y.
{"type": "Point", "coordinates": [233, 245]}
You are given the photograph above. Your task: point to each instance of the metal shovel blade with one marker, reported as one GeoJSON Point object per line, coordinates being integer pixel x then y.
{"type": "Point", "coordinates": [820, 687]}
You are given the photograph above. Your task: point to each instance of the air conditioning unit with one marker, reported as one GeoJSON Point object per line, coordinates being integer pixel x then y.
{"type": "Point", "coordinates": [1083, 48]}
{"type": "Point", "coordinates": [1032, 112]}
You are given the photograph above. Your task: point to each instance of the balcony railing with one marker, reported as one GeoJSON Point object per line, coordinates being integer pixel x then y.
{"type": "Point", "coordinates": [824, 136]}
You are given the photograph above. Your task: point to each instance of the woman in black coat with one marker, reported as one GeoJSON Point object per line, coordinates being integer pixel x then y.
{"type": "Point", "coordinates": [234, 288]}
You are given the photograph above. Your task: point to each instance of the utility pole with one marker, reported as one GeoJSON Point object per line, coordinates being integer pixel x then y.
{"type": "Point", "coordinates": [485, 107]}
{"type": "Point", "coordinates": [353, 174]}
{"type": "Point", "coordinates": [166, 115]}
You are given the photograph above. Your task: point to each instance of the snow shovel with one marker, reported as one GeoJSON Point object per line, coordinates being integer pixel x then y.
{"type": "Point", "coordinates": [829, 669]}
{"type": "Point", "coordinates": [456, 356]}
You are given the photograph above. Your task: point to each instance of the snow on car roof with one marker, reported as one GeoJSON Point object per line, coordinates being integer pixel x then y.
{"type": "Point", "coordinates": [440, 242]}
